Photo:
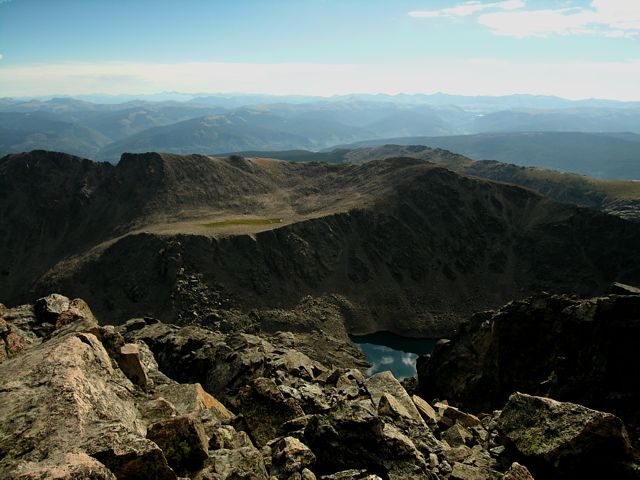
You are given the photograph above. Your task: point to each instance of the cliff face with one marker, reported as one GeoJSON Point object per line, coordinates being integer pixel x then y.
{"type": "Point", "coordinates": [579, 350]}
{"type": "Point", "coordinates": [398, 245]}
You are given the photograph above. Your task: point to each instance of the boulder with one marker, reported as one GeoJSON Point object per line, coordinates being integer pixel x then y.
{"type": "Point", "coordinates": [70, 466]}
{"type": "Point", "coordinates": [299, 365]}
{"type": "Point", "coordinates": [183, 442]}
{"type": "Point", "coordinates": [385, 383]}
{"type": "Point", "coordinates": [457, 435]}
{"type": "Point", "coordinates": [244, 463]}
{"type": "Point", "coordinates": [313, 398]}
{"type": "Point", "coordinates": [48, 308]}
{"type": "Point", "coordinates": [78, 310]}
{"type": "Point", "coordinates": [396, 441]}
{"type": "Point", "coordinates": [226, 437]}
{"type": "Point", "coordinates": [152, 411]}
{"type": "Point", "coordinates": [130, 362]}
{"type": "Point", "coordinates": [221, 363]}
{"type": "Point", "coordinates": [389, 406]}
{"type": "Point", "coordinates": [343, 437]}
{"type": "Point", "coordinates": [22, 321]}
{"type": "Point", "coordinates": [449, 415]}
{"type": "Point", "coordinates": [155, 378]}
{"type": "Point", "coordinates": [191, 398]}
{"type": "Point", "coordinates": [517, 472]}
{"type": "Point", "coordinates": [352, 436]}
{"type": "Point", "coordinates": [560, 439]}
{"type": "Point", "coordinates": [11, 342]}
{"type": "Point", "coordinates": [348, 385]}
{"type": "Point", "coordinates": [265, 409]}
{"type": "Point", "coordinates": [290, 455]}
{"type": "Point", "coordinates": [426, 411]}
{"type": "Point", "coordinates": [130, 456]}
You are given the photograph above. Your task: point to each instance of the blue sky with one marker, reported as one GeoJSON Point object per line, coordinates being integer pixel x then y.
{"type": "Point", "coordinates": [577, 49]}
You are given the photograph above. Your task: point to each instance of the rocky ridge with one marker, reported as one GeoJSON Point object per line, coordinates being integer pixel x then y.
{"type": "Point", "coordinates": [568, 348]}
{"type": "Point", "coordinates": [151, 400]}
{"type": "Point", "coordinates": [573, 188]}
{"type": "Point", "coordinates": [398, 244]}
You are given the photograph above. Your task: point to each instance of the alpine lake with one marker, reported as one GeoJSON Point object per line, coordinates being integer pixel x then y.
{"type": "Point", "coordinates": [388, 351]}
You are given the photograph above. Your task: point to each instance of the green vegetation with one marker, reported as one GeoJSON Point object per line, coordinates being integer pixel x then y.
{"type": "Point", "coordinates": [242, 221]}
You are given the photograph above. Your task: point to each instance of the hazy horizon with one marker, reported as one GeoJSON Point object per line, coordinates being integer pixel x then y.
{"type": "Point", "coordinates": [186, 96]}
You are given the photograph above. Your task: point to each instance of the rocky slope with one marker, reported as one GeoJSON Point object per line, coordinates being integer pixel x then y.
{"type": "Point", "coordinates": [579, 350]}
{"type": "Point", "coordinates": [617, 197]}
{"type": "Point", "coordinates": [151, 400]}
{"type": "Point", "coordinates": [399, 244]}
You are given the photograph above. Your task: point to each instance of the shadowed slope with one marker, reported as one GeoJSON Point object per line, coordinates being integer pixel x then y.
{"type": "Point", "coordinates": [399, 244]}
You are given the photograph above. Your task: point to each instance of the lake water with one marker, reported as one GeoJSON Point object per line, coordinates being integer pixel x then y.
{"type": "Point", "coordinates": [387, 351]}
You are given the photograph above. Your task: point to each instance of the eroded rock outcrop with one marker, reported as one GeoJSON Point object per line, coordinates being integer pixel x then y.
{"type": "Point", "coordinates": [567, 348]}
{"type": "Point", "coordinates": [217, 406]}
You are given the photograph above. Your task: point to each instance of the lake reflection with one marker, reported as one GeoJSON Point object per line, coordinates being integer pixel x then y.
{"type": "Point", "coordinates": [387, 351]}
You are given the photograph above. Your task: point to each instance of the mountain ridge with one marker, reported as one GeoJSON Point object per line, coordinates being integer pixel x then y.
{"type": "Point", "coordinates": [406, 245]}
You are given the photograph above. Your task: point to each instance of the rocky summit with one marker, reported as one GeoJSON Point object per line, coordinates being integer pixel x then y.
{"type": "Point", "coordinates": [149, 400]}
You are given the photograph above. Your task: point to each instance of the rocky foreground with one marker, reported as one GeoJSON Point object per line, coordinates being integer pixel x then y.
{"type": "Point", "coordinates": [147, 400]}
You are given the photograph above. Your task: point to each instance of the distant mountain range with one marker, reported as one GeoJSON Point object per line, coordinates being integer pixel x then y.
{"type": "Point", "coordinates": [230, 100]}
{"type": "Point", "coordinates": [33, 130]}
{"type": "Point", "coordinates": [597, 138]}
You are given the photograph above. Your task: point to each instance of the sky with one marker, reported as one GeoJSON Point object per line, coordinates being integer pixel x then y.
{"type": "Point", "coordinates": [569, 48]}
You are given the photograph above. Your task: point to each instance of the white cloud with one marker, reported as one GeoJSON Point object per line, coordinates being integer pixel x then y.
{"type": "Point", "coordinates": [386, 360]}
{"type": "Point", "coordinates": [607, 18]}
{"type": "Point", "coordinates": [482, 76]}
{"type": "Point", "coordinates": [409, 359]}
{"type": "Point", "coordinates": [1, 56]}
{"type": "Point", "coordinates": [469, 8]}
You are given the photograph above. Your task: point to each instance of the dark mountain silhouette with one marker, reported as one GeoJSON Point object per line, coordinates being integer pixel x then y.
{"type": "Point", "coordinates": [399, 244]}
